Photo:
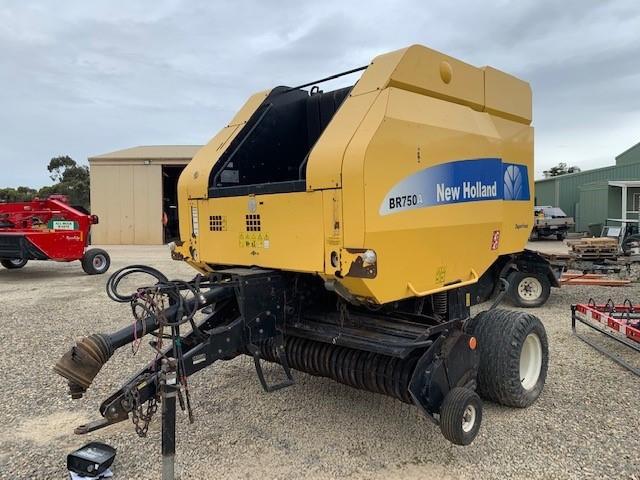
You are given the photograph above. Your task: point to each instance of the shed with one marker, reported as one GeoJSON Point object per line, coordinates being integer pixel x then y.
{"type": "Point", "coordinates": [589, 196]}
{"type": "Point", "coordinates": [134, 193]}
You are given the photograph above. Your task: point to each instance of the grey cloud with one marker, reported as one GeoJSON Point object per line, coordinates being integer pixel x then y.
{"type": "Point", "coordinates": [84, 78]}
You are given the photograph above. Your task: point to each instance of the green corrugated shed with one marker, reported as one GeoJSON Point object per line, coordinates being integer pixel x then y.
{"type": "Point", "coordinates": [631, 155]}
{"type": "Point", "coordinates": [593, 206]}
{"type": "Point", "coordinates": [599, 201]}
{"type": "Point", "coordinates": [565, 191]}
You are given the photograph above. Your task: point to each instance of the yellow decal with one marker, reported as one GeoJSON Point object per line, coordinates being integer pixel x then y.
{"type": "Point", "coordinates": [441, 273]}
{"type": "Point", "coordinates": [254, 240]}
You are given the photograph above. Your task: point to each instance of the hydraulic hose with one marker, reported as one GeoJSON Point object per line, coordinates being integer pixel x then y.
{"type": "Point", "coordinates": [84, 360]}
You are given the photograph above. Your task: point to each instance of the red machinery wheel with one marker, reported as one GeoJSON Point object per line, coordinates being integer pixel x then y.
{"type": "Point", "coordinates": [13, 263]}
{"type": "Point", "coordinates": [95, 261]}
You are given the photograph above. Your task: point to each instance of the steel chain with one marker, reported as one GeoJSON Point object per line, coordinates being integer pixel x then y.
{"type": "Point", "coordinates": [139, 416]}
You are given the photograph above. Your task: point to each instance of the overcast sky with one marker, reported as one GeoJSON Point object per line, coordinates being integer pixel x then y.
{"type": "Point", "coordinates": [88, 77]}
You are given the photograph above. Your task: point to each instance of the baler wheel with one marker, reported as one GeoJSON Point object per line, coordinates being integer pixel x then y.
{"type": "Point", "coordinates": [14, 263]}
{"type": "Point", "coordinates": [528, 290]}
{"type": "Point", "coordinates": [95, 261]}
{"type": "Point", "coordinates": [461, 415]}
{"type": "Point", "coordinates": [514, 356]}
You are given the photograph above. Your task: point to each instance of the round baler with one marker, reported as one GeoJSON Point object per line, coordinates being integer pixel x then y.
{"type": "Point", "coordinates": [341, 234]}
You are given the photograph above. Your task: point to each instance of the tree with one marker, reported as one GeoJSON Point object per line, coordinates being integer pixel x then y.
{"type": "Point", "coordinates": [560, 169]}
{"type": "Point", "coordinates": [71, 180]}
{"type": "Point", "coordinates": [58, 165]}
{"type": "Point", "coordinates": [19, 194]}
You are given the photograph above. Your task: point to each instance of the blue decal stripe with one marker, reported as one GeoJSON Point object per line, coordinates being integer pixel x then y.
{"type": "Point", "coordinates": [456, 182]}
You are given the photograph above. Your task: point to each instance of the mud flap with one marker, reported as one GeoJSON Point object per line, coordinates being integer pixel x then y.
{"type": "Point", "coordinates": [450, 362]}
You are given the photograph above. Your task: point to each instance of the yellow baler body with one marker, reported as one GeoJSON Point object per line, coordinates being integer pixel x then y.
{"type": "Point", "coordinates": [428, 162]}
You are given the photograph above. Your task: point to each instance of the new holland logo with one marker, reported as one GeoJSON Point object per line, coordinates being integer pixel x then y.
{"type": "Point", "coordinates": [512, 183]}
{"type": "Point", "coordinates": [475, 180]}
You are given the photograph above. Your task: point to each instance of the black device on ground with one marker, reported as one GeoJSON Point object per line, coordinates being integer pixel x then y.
{"type": "Point", "coordinates": [91, 460]}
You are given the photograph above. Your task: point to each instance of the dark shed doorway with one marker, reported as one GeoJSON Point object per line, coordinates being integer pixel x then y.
{"type": "Point", "coordinates": [170, 175]}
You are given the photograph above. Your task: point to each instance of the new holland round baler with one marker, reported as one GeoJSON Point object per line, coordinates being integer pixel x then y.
{"type": "Point", "coordinates": [342, 234]}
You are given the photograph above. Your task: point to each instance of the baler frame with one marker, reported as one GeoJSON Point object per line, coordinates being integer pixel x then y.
{"type": "Point", "coordinates": [413, 357]}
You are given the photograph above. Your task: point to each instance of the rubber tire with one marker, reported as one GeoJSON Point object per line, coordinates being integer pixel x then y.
{"type": "Point", "coordinates": [560, 236]}
{"type": "Point", "coordinates": [514, 280]}
{"type": "Point", "coordinates": [13, 266]}
{"type": "Point", "coordinates": [451, 415]}
{"type": "Point", "coordinates": [87, 261]}
{"type": "Point", "coordinates": [500, 335]}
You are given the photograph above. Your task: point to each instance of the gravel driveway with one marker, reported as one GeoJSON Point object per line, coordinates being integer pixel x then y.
{"type": "Point", "coordinates": [585, 425]}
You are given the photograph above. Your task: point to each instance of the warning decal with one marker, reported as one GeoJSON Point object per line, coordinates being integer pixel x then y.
{"type": "Point", "coordinates": [253, 240]}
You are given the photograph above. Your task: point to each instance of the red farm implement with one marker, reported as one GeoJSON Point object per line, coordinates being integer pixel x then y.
{"type": "Point", "coordinates": [619, 322]}
{"type": "Point", "coordinates": [48, 230]}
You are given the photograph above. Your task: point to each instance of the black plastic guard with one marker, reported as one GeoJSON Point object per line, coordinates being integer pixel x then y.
{"type": "Point", "coordinates": [449, 362]}
{"type": "Point", "coordinates": [19, 247]}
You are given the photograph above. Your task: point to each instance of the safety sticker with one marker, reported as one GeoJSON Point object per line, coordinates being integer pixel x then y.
{"type": "Point", "coordinates": [254, 240]}
{"type": "Point", "coordinates": [495, 240]}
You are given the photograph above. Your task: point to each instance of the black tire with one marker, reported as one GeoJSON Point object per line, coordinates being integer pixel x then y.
{"type": "Point", "coordinates": [95, 261]}
{"type": "Point", "coordinates": [501, 336]}
{"type": "Point", "coordinates": [528, 290]}
{"type": "Point", "coordinates": [461, 416]}
{"type": "Point", "coordinates": [14, 263]}
{"type": "Point", "coordinates": [560, 236]}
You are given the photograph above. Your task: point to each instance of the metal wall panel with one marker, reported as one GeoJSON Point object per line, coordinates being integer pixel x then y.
{"type": "Point", "coordinates": [566, 188]}
{"type": "Point", "coordinates": [128, 201]}
{"type": "Point", "coordinates": [593, 206]}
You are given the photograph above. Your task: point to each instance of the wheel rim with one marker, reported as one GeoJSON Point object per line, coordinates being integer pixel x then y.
{"type": "Point", "coordinates": [468, 418]}
{"type": "Point", "coordinates": [99, 262]}
{"type": "Point", "coordinates": [16, 261]}
{"type": "Point", "coordinates": [530, 288]}
{"type": "Point", "coordinates": [530, 361]}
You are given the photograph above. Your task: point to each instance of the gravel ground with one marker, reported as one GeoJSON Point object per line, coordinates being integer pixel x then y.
{"type": "Point", "coordinates": [585, 424]}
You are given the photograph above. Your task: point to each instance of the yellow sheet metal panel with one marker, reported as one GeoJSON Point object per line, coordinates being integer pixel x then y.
{"type": "Point", "coordinates": [507, 96]}
{"type": "Point", "coordinates": [517, 216]}
{"type": "Point", "coordinates": [282, 231]}
{"type": "Point", "coordinates": [194, 182]}
{"type": "Point", "coordinates": [333, 229]}
{"type": "Point", "coordinates": [324, 169]}
{"type": "Point", "coordinates": [354, 185]}
{"type": "Point", "coordinates": [417, 69]}
{"type": "Point", "coordinates": [376, 76]}
{"type": "Point", "coordinates": [416, 245]}
{"type": "Point", "coordinates": [432, 73]}
{"type": "Point", "coordinates": [428, 72]}
{"type": "Point", "coordinates": [411, 166]}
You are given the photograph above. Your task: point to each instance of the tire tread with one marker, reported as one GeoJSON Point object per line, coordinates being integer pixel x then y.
{"type": "Point", "coordinates": [500, 334]}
